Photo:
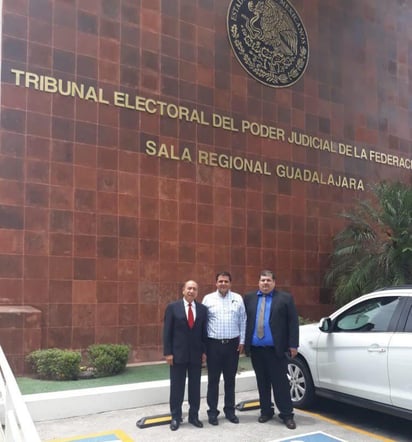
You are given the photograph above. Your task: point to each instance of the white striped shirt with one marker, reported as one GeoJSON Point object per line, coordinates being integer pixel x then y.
{"type": "Point", "coordinates": [226, 316]}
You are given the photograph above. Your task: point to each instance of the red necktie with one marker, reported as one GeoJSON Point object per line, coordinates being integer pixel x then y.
{"type": "Point", "coordinates": [190, 317]}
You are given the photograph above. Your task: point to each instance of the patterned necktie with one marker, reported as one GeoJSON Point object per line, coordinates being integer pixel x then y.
{"type": "Point", "coordinates": [190, 317]}
{"type": "Point", "coordinates": [261, 317]}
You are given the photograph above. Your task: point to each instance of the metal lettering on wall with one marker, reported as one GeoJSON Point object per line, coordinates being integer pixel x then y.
{"type": "Point", "coordinates": [196, 154]}
{"type": "Point", "coordinates": [269, 40]}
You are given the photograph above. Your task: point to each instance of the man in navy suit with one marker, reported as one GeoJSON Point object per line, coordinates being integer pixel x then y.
{"type": "Point", "coordinates": [272, 334]}
{"type": "Point", "coordinates": [184, 348]}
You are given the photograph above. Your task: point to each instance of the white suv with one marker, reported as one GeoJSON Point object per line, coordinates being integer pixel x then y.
{"type": "Point", "coordinates": [361, 354]}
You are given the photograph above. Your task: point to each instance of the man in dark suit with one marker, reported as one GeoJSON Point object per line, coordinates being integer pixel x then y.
{"type": "Point", "coordinates": [184, 348]}
{"type": "Point", "coordinates": [272, 333]}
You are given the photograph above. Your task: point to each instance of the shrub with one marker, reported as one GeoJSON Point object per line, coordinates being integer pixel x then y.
{"type": "Point", "coordinates": [55, 364]}
{"type": "Point", "coordinates": [108, 359]}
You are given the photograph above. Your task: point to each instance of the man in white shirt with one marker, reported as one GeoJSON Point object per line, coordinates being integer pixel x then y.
{"type": "Point", "coordinates": [226, 327]}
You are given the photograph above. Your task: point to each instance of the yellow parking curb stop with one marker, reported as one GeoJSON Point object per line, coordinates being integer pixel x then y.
{"type": "Point", "coordinates": [151, 421]}
{"type": "Point", "coordinates": [248, 405]}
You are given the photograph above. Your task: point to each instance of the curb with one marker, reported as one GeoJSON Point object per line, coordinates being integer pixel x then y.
{"type": "Point", "coordinates": [72, 403]}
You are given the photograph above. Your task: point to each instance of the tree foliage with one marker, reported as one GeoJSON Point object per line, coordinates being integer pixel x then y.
{"type": "Point", "coordinates": [374, 249]}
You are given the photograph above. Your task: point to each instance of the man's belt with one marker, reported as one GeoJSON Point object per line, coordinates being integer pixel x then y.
{"type": "Point", "coordinates": [224, 341]}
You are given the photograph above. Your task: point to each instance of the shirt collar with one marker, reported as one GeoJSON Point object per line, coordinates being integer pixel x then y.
{"type": "Point", "coordinates": [228, 294]}
{"type": "Point", "coordinates": [260, 293]}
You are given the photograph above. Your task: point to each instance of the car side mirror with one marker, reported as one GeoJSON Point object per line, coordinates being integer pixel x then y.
{"type": "Point", "coordinates": [325, 325]}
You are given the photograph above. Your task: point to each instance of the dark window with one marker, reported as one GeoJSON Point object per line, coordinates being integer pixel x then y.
{"type": "Point", "coordinates": [373, 315]}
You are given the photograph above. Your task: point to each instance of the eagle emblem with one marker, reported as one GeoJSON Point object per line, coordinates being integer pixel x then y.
{"type": "Point", "coordinates": [269, 40]}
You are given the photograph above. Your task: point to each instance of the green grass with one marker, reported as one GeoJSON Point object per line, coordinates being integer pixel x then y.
{"type": "Point", "coordinates": [132, 374]}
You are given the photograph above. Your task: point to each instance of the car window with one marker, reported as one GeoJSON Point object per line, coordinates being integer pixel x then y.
{"type": "Point", "coordinates": [372, 315]}
{"type": "Point", "coordinates": [408, 326]}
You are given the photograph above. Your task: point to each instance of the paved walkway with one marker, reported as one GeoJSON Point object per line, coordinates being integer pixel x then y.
{"type": "Point", "coordinates": [121, 426]}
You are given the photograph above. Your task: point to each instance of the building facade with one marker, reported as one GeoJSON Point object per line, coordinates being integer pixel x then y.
{"type": "Point", "coordinates": [147, 142]}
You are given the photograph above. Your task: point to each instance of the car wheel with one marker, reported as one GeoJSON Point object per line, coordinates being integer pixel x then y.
{"type": "Point", "coordinates": [302, 390]}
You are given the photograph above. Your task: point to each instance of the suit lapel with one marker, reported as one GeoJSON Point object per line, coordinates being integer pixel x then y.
{"type": "Point", "coordinates": [181, 310]}
{"type": "Point", "coordinates": [255, 304]}
{"type": "Point", "coordinates": [275, 300]}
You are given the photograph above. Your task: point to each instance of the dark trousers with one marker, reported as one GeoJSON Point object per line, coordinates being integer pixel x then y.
{"type": "Point", "coordinates": [271, 374]}
{"type": "Point", "coordinates": [221, 358]}
{"type": "Point", "coordinates": [177, 389]}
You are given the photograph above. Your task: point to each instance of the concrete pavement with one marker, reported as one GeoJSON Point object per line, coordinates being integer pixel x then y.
{"type": "Point", "coordinates": [120, 425]}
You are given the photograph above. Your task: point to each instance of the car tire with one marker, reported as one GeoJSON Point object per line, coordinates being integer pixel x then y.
{"type": "Point", "coordinates": [302, 390]}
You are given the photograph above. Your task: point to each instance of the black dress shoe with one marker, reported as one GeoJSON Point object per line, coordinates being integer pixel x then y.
{"type": "Point", "coordinates": [174, 425]}
{"type": "Point", "coordinates": [263, 418]}
{"type": "Point", "coordinates": [290, 423]}
{"type": "Point", "coordinates": [196, 422]}
{"type": "Point", "coordinates": [213, 420]}
{"type": "Point", "coordinates": [232, 418]}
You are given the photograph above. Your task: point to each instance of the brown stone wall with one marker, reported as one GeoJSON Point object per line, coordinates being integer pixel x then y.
{"type": "Point", "coordinates": [20, 333]}
{"type": "Point", "coordinates": [98, 235]}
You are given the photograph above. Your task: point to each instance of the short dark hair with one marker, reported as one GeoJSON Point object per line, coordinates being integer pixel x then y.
{"type": "Point", "coordinates": [224, 274]}
{"type": "Point", "coordinates": [268, 273]}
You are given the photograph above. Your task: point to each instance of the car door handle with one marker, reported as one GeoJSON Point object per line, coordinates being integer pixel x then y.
{"type": "Point", "coordinates": [376, 349]}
